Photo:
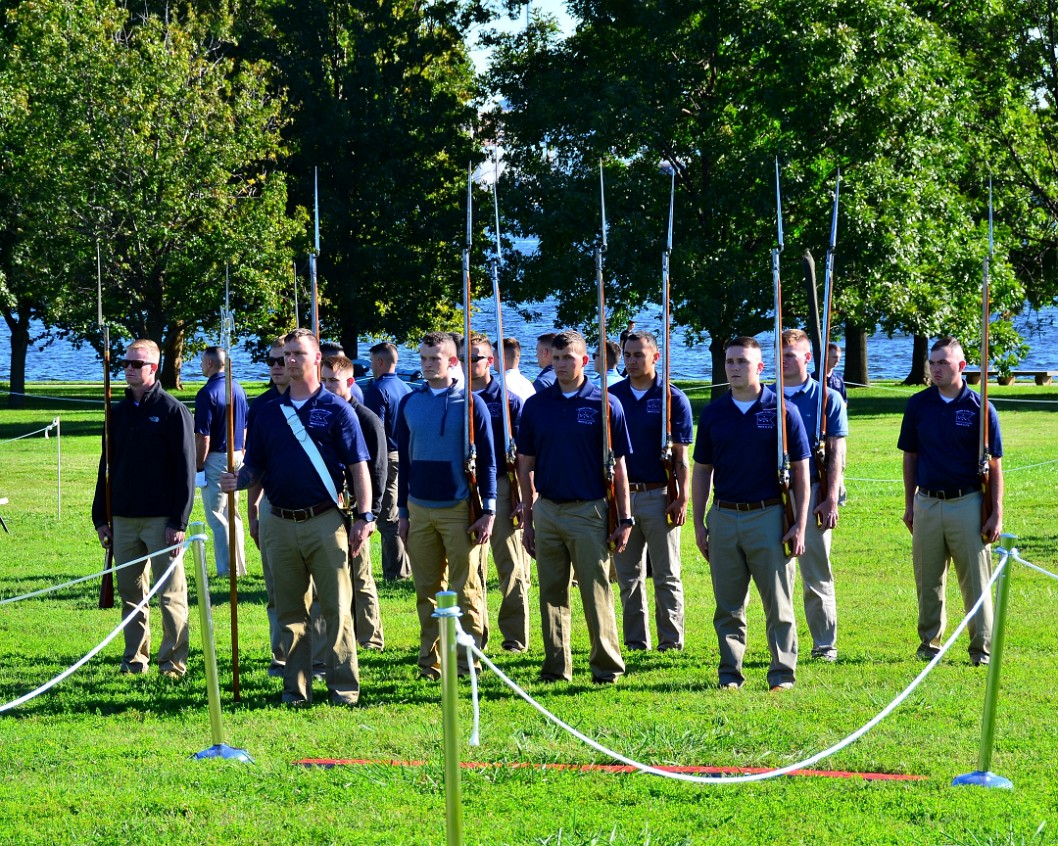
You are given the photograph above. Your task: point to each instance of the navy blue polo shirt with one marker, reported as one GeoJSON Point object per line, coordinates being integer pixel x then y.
{"type": "Point", "coordinates": [545, 380]}
{"type": "Point", "coordinates": [743, 448]}
{"type": "Point", "coordinates": [837, 383]}
{"type": "Point", "coordinates": [492, 397]}
{"type": "Point", "coordinates": [807, 401]}
{"type": "Point", "coordinates": [645, 426]}
{"type": "Point", "coordinates": [382, 397]}
{"type": "Point", "coordinates": [565, 436]}
{"type": "Point", "coordinates": [211, 409]}
{"type": "Point", "coordinates": [946, 437]}
{"type": "Point", "coordinates": [289, 477]}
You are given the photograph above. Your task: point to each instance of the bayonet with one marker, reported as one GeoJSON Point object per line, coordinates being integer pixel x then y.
{"type": "Point", "coordinates": [821, 370]}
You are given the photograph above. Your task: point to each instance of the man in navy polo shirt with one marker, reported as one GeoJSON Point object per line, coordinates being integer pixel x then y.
{"type": "Point", "coordinates": [561, 457]}
{"type": "Point", "coordinates": [735, 455]}
{"type": "Point", "coordinates": [300, 446]}
{"type": "Point", "coordinates": [658, 521]}
{"type": "Point", "coordinates": [942, 498]}
{"type": "Point", "coordinates": [817, 576]}
{"type": "Point", "coordinates": [834, 380]}
{"type": "Point", "coordinates": [211, 454]}
{"type": "Point", "coordinates": [512, 561]}
{"type": "Point", "coordinates": [546, 377]}
{"type": "Point", "coordinates": [383, 396]}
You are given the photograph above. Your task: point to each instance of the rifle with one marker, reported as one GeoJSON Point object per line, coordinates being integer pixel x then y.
{"type": "Point", "coordinates": [510, 448]}
{"type": "Point", "coordinates": [788, 518]}
{"type": "Point", "coordinates": [984, 463]}
{"type": "Point", "coordinates": [227, 326]}
{"type": "Point", "coordinates": [821, 369]}
{"type": "Point", "coordinates": [106, 586]}
{"type": "Point", "coordinates": [313, 271]}
{"type": "Point", "coordinates": [608, 460]}
{"type": "Point", "coordinates": [672, 486]}
{"type": "Point", "coordinates": [470, 451]}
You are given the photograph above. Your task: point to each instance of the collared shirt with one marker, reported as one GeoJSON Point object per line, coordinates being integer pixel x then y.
{"type": "Point", "coordinates": [288, 474]}
{"type": "Point", "coordinates": [382, 397]}
{"type": "Point", "coordinates": [743, 447]}
{"type": "Point", "coordinates": [807, 401]}
{"type": "Point", "coordinates": [492, 397]}
{"type": "Point", "coordinates": [645, 426]}
{"type": "Point", "coordinates": [612, 378]}
{"type": "Point", "coordinates": [211, 410]}
{"type": "Point", "coordinates": [518, 385]}
{"type": "Point", "coordinates": [837, 383]}
{"type": "Point", "coordinates": [946, 438]}
{"type": "Point", "coordinates": [378, 466]}
{"type": "Point", "coordinates": [545, 380]}
{"type": "Point", "coordinates": [565, 436]}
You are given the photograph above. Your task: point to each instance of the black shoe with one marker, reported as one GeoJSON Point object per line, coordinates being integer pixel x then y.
{"type": "Point", "coordinates": [927, 653]}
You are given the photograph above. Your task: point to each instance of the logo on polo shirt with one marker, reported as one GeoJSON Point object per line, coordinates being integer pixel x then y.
{"type": "Point", "coordinates": [965, 417]}
{"type": "Point", "coordinates": [320, 418]}
{"type": "Point", "coordinates": [766, 418]}
{"type": "Point", "coordinates": [587, 415]}
{"type": "Point", "coordinates": [495, 408]}
{"type": "Point", "coordinates": [654, 406]}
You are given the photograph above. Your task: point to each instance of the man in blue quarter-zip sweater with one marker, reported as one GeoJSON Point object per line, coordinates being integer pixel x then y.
{"type": "Point", "coordinates": [433, 498]}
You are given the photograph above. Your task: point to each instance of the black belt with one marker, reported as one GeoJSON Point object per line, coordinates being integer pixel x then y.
{"type": "Point", "coordinates": [759, 505]}
{"type": "Point", "coordinates": [953, 493]}
{"type": "Point", "coordinates": [638, 487]}
{"type": "Point", "coordinates": [300, 515]}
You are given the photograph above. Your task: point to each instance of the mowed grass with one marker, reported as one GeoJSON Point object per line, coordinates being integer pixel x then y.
{"type": "Point", "coordinates": [105, 759]}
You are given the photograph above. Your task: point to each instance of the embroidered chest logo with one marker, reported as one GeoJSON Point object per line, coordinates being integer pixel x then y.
{"type": "Point", "coordinates": [153, 419]}
{"type": "Point", "coordinates": [319, 418]}
{"type": "Point", "coordinates": [965, 417]}
{"type": "Point", "coordinates": [494, 408]}
{"type": "Point", "coordinates": [766, 419]}
{"type": "Point", "coordinates": [587, 416]}
{"type": "Point", "coordinates": [654, 406]}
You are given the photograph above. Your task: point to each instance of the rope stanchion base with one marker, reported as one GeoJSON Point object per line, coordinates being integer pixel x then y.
{"type": "Point", "coordinates": [982, 779]}
{"type": "Point", "coordinates": [223, 750]}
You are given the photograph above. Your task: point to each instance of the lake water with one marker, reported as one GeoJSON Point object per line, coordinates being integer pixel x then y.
{"type": "Point", "coordinates": [887, 358]}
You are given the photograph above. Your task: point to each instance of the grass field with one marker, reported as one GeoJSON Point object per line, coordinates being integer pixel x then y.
{"type": "Point", "coordinates": [104, 759]}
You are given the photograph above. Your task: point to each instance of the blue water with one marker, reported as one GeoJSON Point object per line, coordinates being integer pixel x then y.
{"type": "Point", "coordinates": [887, 358]}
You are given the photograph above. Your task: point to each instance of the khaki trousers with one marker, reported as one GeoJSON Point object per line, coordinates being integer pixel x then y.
{"type": "Point", "coordinates": [215, 503]}
{"type": "Point", "coordinates": [395, 563]}
{"type": "Point", "coordinates": [745, 545]}
{"type": "Point", "coordinates": [652, 534]}
{"type": "Point", "coordinates": [821, 610]}
{"type": "Point", "coordinates": [950, 530]}
{"type": "Point", "coordinates": [279, 657]}
{"type": "Point", "coordinates": [512, 566]}
{"type": "Point", "coordinates": [317, 550]}
{"type": "Point", "coordinates": [443, 557]}
{"type": "Point", "coordinates": [573, 535]}
{"type": "Point", "coordinates": [134, 537]}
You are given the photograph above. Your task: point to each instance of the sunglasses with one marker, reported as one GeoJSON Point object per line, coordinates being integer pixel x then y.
{"type": "Point", "coordinates": [275, 362]}
{"type": "Point", "coordinates": [135, 364]}
{"type": "Point", "coordinates": [475, 358]}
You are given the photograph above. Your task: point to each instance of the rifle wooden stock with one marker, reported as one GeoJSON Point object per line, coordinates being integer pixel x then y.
{"type": "Point", "coordinates": [106, 584]}
{"type": "Point", "coordinates": [611, 513]}
{"type": "Point", "coordinates": [789, 518]}
{"type": "Point", "coordinates": [672, 486]}
{"type": "Point", "coordinates": [476, 509]}
{"type": "Point", "coordinates": [516, 491]}
{"type": "Point", "coordinates": [824, 476]}
{"type": "Point", "coordinates": [986, 502]}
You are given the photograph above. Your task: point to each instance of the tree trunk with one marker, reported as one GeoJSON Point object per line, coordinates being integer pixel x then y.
{"type": "Point", "coordinates": [919, 374]}
{"type": "Point", "coordinates": [19, 326]}
{"type": "Point", "coordinates": [814, 331]}
{"type": "Point", "coordinates": [173, 359]}
{"type": "Point", "coordinates": [719, 372]}
{"type": "Point", "coordinates": [855, 372]}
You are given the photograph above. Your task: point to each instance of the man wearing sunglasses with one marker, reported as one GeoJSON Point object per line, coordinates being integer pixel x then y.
{"type": "Point", "coordinates": [152, 482]}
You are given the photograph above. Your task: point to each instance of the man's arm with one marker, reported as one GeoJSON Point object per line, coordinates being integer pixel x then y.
{"type": "Point", "coordinates": [201, 451]}
{"type": "Point", "coordinates": [526, 468]}
{"type": "Point", "coordinates": [910, 486]}
{"type": "Point", "coordinates": [682, 468]}
{"type": "Point", "coordinates": [827, 508]}
{"type": "Point", "coordinates": [361, 482]}
{"type": "Point", "coordinates": [701, 488]}
{"type": "Point", "coordinates": [994, 527]}
{"type": "Point", "coordinates": [801, 488]}
{"type": "Point", "coordinates": [619, 538]}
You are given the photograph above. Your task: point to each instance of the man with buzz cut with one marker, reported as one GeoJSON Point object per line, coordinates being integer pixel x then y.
{"type": "Point", "coordinates": [657, 528]}
{"type": "Point", "coordinates": [743, 538]}
{"type": "Point", "coordinates": [560, 446]}
{"type": "Point", "coordinates": [546, 377]}
{"type": "Point", "coordinates": [517, 384]}
{"type": "Point", "coordinates": [445, 546]}
{"type": "Point", "coordinates": [817, 575]}
{"type": "Point", "coordinates": [940, 438]}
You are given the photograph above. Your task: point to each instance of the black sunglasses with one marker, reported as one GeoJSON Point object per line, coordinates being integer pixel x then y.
{"type": "Point", "coordinates": [475, 358]}
{"type": "Point", "coordinates": [272, 362]}
{"type": "Point", "coordinates": [133, 363]}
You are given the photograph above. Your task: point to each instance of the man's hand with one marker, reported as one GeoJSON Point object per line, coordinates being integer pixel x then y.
{"type": "Point", "coordinates": [619, 539]}
{"type": "Point", "coordinates": [402, 529]}
{"type": "Point", "coordinates": [909, 519]}
{"type": "Point", "coordinates": [173, 537]}
{"type": "Point", "coordinates": [255, 529]}
{"type": "Point", "coordinates": [701, 537]}
{"type": "Point", "coordinates": [518, 514]}
{"type": "Point", "coordinates": [529, 538]}
{"type": "Point", "coordinates": [677, 512]}
{"type": "Point", "coordinates": [481, 531]}
{"type": "Point", "coordinates": [796, 538]}
{"type": "Point", "coordinates": [993, 527]}
{"type": "Point", "coordinates": [828, 513]}
{"type": "Point", "coordinates": [105, 536]}
{"type": "Point", "coordinates": [359, 535]}
{"type": "Point", "coordinates": [229, 482]}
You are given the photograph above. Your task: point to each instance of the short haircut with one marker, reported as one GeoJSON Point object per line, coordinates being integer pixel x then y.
{"type": "Point", "coordinates": [483, 340]}
{"type": "Point", "coordinates": [832, 347]}
{"type": "Point", "coordinates": [568, 339]}
{"type": "Point", "coordinates": [385, 350]}
{"type": "Point", "coordinates": [153, 353]}
{"type": "Point", "coordinates": [946, 341]}
{"type": "Point", "coordinates": [794, 336]}
{"type": "Point", "coordinates": [547, 339]}
{"type": "Point", "coordinates": [278, 342]}
{"type": "Point", "coordinates": [511, 345]}
{"type": "Point", "coordinates": [338, 364]}
{"type": "Point", "coordinates": [297, 334]}
{"type": "Point", "coordinates": [613, 353]}
{"type": "Point", "coordinates": [216, 355]}
{"type": "Point", "coordinates": [331, 348]}
{"type": "Point", "coordinates": [637, 335]}
{"type": "Point", "coordinates": [457, 339]}
{"type": "Point", "coordinates": [439, 339]}
{"type": "Point", "coordinates": [742, 341]}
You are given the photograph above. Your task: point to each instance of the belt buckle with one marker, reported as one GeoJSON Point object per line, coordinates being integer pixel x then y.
{"type": "Point", "coordinates": [300, 515]}
{"type": "Point", "coordinates": [743, 506]}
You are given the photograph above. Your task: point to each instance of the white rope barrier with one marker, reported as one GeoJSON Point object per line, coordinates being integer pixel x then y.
{"type": "Point", "coordinates": [45, 430]}
{"type": "Point", "coordinates": [46, 397]}
{"type": "Point", "coordinates": [914, 390]}
{"type": "Point", "coordinates": [753, 777]}
{"type": "Point", "coordinates": [1021, 560]}
{"type": "Point", "coordinates": [98, 575]}
{"type": "Point", "coordinates": [69, 671]}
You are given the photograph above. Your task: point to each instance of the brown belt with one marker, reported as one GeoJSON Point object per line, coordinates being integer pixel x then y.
{"type": "Point", "coordinates": [759, 505]}
{"type": "Point", "coordinates": [300, 515]}
{"type": "Point", "coordinates": [639, 487]}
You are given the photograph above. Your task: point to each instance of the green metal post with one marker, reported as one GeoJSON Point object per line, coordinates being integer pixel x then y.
{"type": "Point", "coordinates": [450, 718]}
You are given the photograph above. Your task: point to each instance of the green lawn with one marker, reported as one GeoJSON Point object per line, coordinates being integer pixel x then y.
{"type": "Point", "coordinates": [104, 759]}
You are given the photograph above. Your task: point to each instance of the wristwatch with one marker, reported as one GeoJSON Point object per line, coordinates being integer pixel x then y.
{"type": "Point", "coordinates": [491, 511]}
{"type": "Point", "coordinates": [366, 516]}
{"type": "Point", "coordinates": [626, 521]}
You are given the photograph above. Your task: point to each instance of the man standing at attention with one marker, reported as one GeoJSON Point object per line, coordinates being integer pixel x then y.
{"type": "Point", "coordinates": [301, 446]}
{"type": "Point", "coordinates": [512, 561]}
{"type": "Point", "coordinates": [434, 499]}
{"type": "Point", "coordinates": [560, 447]}
{"type": "Point", "coordinates": [816, 573]}
{"type": "Point", "coordinates": [942, 498]}
{"type": "Point", "coordinates": [383, 396]}
{"type": "Point", "coordinates": [658, 521]}
{"type": "Point", "coordinates": [211, 454]}
{"type": "Point", "coordinates": [546, 377]}
{"type": "Point", "coordinates": [152, 481]}
{"type": "Point", "coordinates": [517, 384]}
{"type": "Point", "coordinates": [834, 380]}
{"type": "Point", "coordinates": [744, 537]}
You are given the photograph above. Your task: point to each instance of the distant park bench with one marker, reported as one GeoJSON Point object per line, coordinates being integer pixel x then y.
{"type": "Point", "coordinates": [1042, 377]}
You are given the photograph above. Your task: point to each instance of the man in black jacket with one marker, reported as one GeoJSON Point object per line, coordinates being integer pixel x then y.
{"type": "Point", "coordinates": [152, 480]}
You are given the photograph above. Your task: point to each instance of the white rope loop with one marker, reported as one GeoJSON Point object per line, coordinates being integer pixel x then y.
{"type": "Point", "coordinates": [45, 431]}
